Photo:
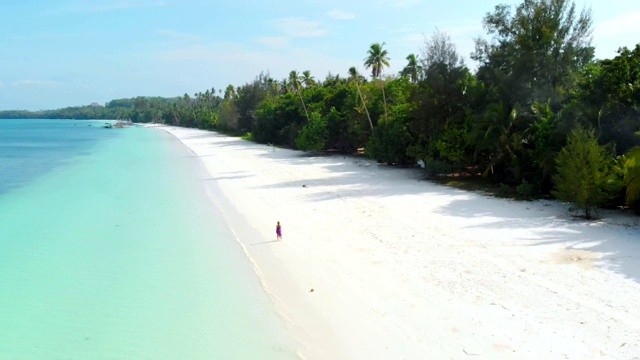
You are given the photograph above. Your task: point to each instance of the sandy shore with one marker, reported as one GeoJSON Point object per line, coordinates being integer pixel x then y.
{"type": "Point", "coordinates": [377, 264]}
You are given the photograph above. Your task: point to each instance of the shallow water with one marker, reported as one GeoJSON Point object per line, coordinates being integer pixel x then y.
{"type": "Point", "coordinates": [114, 252]}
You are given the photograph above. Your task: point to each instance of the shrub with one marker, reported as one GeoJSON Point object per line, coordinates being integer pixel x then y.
{"type": "Point", "coordinates": [586, 175]}
{"type": "Point", "coordinates": [632, 175]}
{"type": "Point", "coordinates": [313, 135]}
{"type": "Point", "coordinates": [527, 189]}
{"type": "Point", "coordinates": [389, 143]}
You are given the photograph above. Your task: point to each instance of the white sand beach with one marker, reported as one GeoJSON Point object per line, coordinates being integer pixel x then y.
{"type": "Point", "coordinates": [376, 263]}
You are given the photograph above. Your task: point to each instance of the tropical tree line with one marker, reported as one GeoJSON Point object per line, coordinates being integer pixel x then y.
{"type": "Point", "coordinates": [540, 114]}
{"type": "Point", "coordinates": [200, 110]}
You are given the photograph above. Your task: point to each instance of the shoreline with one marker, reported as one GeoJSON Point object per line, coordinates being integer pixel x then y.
{"type": "Point", "coordinates": [375, 263]}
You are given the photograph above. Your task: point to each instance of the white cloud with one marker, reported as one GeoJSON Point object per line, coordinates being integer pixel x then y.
{"type": "Point", "coordinates": [274, 42]}
{"type": "Point", "coordinates": [36, 83]}
{"type": "Point", "coordinates": [1, 84]}
{"type": "Point", "coordinates": [339, 15]}
{"type": "Point", "coordinates": [299, 27]}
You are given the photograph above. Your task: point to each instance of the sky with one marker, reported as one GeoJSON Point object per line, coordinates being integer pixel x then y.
{"type": "Point", "coordinates": [55, 54]}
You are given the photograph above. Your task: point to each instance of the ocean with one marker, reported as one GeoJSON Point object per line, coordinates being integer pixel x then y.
{"type": "Point", "coordinates": [110, 249]}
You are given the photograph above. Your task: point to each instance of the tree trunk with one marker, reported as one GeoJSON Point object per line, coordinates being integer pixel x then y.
{"type": "Point", "coordinates": [303, 106]}
{"type": "Point", "coordinates": [384, 101]}
{"type": "Point", "coordinates": [365, 106]}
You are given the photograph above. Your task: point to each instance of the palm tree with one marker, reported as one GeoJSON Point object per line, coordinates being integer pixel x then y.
{"type": "Point", "coordinates": [285, 86]}
{"type": "Point", "coordinates": [376, 60]}
{"type": "Point", "coordinates": [307, 79]}
{"type": "Point", "coordinates": [230, 92]}
{"type": "Point", "coordinates": [274, 86]}
{"type": "Point", "coordinates": [294, 79]}
{"type": "Point", "coordinates": [496, 137]}
{"type": "Point", "coordinates": [355, 78]}
{"type": "Point", "coordinates": [413, 69]}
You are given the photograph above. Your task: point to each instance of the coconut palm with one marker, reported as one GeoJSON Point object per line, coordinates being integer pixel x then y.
{"type": "Point", "coordinates": [273, 86]}
{"type": "Point", "coordinates": [496, 137]}
{"type": "Point", "coordinates": [377, 60]}
{"type": "Point", "coordinates": [307, 79]}
{"type": "Point", "coordinates": [294, 80]}
{"type": "Point", "coordinates": [413, 69]}
{"type": "Point", "coordinates": [285, 86]}
{"type": "Point", "coordinates": [229, 92]}
{"type": "Point", "coordinates": [355, 78]}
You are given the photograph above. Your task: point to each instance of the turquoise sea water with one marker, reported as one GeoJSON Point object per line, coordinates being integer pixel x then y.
{"type": "Point", "coordinates": [110, 250]}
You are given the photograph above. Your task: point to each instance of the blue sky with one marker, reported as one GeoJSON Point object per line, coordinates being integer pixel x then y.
{"type": "Point", "coordinates": [66, 53]}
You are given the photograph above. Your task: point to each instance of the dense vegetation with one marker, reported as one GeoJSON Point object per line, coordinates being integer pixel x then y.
{"type": "Point", "coordinates": [537, 85]}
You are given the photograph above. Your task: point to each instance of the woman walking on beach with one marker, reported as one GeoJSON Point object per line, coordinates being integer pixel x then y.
{"type": "Point", "coordinates": [278, 231]}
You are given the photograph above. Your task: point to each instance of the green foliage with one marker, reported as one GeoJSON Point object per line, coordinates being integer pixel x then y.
{"type": "Point", "coordinates": [535, 52]}
{"type": "Point", "coordinates": [210, 120]}
{"type": "Point", "coordinates": [543, 140]}
{"type": "Point", "coordinates": [439, 116]}
{"type": "Point", "coordinates": [620, 77]}
{"type": "Point", "coordinates": [541, 136]}
{"type": "Point", "coordinates": [435, 167]}
{"type": "Point", "coordinates": [268, 124]}
{"type": "Point", "coordinates": [228, 119]}
{"type": "Point", "coordinates": [586, 173]}
{"type": "Point", "coordinates": [342, 131]}
{"type": "Point", "coordinates": [632, 176]}
{"type": "Point", "coordinates": [296, 82]}
{"type": "Point", "coordinates": [248, 136]}
{"type": "Point", "coordinates": [248, 99]}
{"type": "Point", "coordinates": [451, 145]}
{"type": "Point", "coordinates": [278, 120]}
{"type": "Point", "coordinates": [510, 119]}
{"type": "Point", "coordinates": [446, 155]}
{"type": "Point", "coordinates": [608, 97]}
{"type": "Point", "coordinates": [389, 143]}
{"type": "Point", "coordinates": [439, 52]}
{"type": "Point", "coordinates": [313, 135]}
{"type": "Point", "coordinates": [498, 141]}
{"type": "Point", "coordinates": [377, 58]}
{"type": "Point", "coordinates": [504, 191]}
{"type": "Point", "coordinates": [527, 189]}
{"type": "Point", "coordinates": [413, 70]}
